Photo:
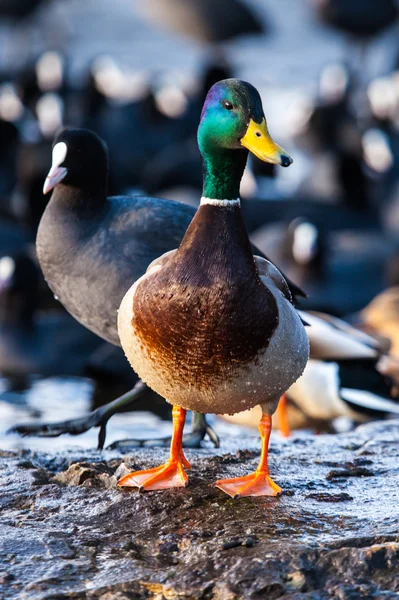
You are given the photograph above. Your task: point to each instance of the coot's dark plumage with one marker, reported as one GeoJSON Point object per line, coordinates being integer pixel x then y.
{"type": "Point", "coordinates": [91, 247]}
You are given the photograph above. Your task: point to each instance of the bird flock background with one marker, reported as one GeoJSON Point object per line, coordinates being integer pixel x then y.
{"type": "Point", "coordinates": [137, 74]}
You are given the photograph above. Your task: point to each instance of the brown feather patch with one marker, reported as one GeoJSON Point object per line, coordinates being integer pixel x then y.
{"type": "Point", "coordinates": [206, 315]}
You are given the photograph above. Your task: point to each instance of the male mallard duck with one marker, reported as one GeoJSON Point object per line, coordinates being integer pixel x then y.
{"type": "Point", "coordinates": [210, 327]}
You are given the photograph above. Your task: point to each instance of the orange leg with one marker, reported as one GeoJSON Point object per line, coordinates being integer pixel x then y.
{"type": "Point", "coordinates": [282, 417]}
{"type": "Point", "coordinates": [258, 483]}
{"type": "Point", "coordinates": [172, 473]}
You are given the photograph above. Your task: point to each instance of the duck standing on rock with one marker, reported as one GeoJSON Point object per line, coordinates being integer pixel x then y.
{"type": "Point", "coordinates": [211, 327]}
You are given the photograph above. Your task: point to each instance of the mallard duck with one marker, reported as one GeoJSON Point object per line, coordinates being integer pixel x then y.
{"type": "Point", "coordinates": [211, 327]}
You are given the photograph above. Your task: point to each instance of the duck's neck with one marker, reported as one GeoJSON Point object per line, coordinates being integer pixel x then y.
{"type": "Point", "coordinates": [223, 171]}
{"type": "Point", "coordinates": [216, 240]}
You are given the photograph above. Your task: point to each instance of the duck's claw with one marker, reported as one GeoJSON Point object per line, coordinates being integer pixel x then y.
{"type": "Point", "coordinates": [169, 475]}
{"type": "Point", "coordinates": [258, 483]}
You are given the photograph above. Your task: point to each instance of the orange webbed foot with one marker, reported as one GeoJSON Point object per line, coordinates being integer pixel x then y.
{"type": "Point", "coordinates": [172, 473]}
{"type": "Point", "coordinates": [258, 483]}
{"type": "Point", "coordinates": [169, 475]}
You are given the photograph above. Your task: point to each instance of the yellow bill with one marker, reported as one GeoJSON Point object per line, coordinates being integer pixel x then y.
{"type": "Point", "coordinates": [258, 141]}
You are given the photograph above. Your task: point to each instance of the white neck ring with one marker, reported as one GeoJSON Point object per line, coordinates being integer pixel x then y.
{"type": "Point", "coordinates": [216, 202]}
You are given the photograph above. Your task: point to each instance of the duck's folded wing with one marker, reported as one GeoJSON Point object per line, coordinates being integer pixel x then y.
{"type": "Point", "coordinates": [293, 288]}
{"type": "Point", "coordinates": [268, 270]}
{"type": "Point", "coordinates": [333, 339]}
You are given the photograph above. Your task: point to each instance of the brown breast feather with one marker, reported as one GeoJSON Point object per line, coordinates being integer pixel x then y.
{"type": "Point", "coordinates": [205, 315]}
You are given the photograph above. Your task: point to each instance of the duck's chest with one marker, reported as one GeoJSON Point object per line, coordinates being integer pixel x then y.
{"type": "Point", "coordinates": [203, 326]}
{"type": "Point", "coordinates": [205, 314]}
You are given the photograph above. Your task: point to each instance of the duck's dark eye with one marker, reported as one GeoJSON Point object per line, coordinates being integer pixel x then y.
{"type": "Point", "coordinates": [228, 105]}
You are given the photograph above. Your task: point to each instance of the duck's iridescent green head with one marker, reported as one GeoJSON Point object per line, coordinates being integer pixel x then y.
{"type": "Point", "coordinates": [232, 119]}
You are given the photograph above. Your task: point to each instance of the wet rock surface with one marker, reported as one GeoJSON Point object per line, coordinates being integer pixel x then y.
{"type": "Point", "coordinates": [68, 532]}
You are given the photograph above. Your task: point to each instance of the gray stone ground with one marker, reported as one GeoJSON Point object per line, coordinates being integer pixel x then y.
{"type": "Point", "coordinates": [67, 532]}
